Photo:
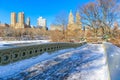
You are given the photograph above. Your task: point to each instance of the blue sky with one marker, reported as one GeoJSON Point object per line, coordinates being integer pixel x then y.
{"type": "Point", "coordinates": [35, 8]}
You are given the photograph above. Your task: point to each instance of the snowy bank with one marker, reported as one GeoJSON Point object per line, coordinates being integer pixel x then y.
{"type": "Point", "coordinates": [113, 58]}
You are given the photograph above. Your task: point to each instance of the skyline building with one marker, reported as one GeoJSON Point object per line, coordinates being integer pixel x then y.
{"type": "Point", "coordinates": [78, 20]}
{"type": "Point", "coordinates": [21, 19]}
{"type": "Point", "coordinates": [41, 23]}
{"type": "Point", "coordinates": [74, 26]}
{"type": "Point", "coordinates": [13, 19]}
{"type": "Point", "coordinates": [19, 22]}
{"type": "Point", "coordinates": [56, 27]}
{"type": "Point", "coordinates": [28, 21]}
{"type": "Point", "coordinates": [71, 18]}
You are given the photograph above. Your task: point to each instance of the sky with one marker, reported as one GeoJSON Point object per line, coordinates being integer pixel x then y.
{"type": "Point", "coordinates": [48, 9]}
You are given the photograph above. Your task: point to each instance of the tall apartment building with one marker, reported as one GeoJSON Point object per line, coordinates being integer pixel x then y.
{"type": "Point", "coordinates": [71, 18]}
{"type": "Point", "coordinates": [13, 19]}
{"type": "Point", "coordinates": [21, 20]}
{"type": "Point", "coordinates": [56, 27]}
{"type": "Point", "coordinates": [28, 21]}
{"type": "Point", "coordinates": [41, 23]}
{"type": "Point", "coordinates": [72, 25]}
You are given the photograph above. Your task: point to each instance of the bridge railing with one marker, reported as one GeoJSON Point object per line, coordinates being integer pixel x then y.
{"type": "Point", "coordinates": [13, 54]}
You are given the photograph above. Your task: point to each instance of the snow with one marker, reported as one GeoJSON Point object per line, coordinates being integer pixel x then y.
{"type": "Point", "coordinates": [15, 68]}
{"type": "Point", "coordinates": [87, 62]}
{"type": "Point", "coordinates": [2, 43]}
{"type": "Point", "coordinates": [9, 44]}
{"type": "Point", "coordinates": [27, 41]}
{"type": "Point", "coordinates": [113, 57]}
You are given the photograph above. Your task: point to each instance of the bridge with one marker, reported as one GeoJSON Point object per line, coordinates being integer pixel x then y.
{"type": "Point", "coordinates": [10, 53]}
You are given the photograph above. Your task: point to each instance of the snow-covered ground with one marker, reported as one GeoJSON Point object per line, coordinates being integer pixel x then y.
{"type": "Point", "coordinates": [83, 63]}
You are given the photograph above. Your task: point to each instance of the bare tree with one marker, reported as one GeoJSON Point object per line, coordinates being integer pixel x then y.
{"type": "Point", "coordinates": [61, 19]}
{"type": "Point", "coordinates": [100, 14]}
